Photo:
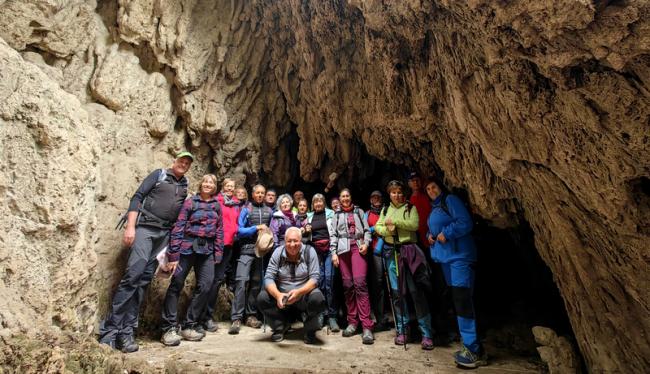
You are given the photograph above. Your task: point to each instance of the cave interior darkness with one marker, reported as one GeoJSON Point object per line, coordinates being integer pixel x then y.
{"type": "Point", "coordinates": [514, 288]}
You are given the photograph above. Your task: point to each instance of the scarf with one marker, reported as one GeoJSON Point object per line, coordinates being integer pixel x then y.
{"type": "Point", "coordinates": [376, 210]}
{"type": "Point", "coordinates": [229, 200]}
{"type": "Point", "coordinates": [289, 215]}
{"type": "Point", "coordinates": [348, 209]}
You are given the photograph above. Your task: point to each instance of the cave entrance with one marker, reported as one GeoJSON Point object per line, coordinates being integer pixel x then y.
{"type": "Point", "coordinates": [514, 288]}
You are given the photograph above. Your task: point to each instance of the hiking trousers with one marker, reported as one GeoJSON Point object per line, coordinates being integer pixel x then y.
{"type": "Point", "coordinates": [248, 280]}
{"type": "Point", "coordinates": [459, 275]}
{"type": "Point", "coordinates": [122, 318]}
{"type": "Point", "coordinates": [354, 271]}
{"type": "Point", "coordinates": [218, 280]}
{"type": "Point", "coordinates": [203, 265]}
{"type": "Point", "coordinates": [309, 307]}
{"type": "Point", "coordinates": [417, 286]}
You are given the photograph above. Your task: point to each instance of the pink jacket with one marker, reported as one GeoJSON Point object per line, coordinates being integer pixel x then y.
{"type": "Point", "coordinates": [230, 215]}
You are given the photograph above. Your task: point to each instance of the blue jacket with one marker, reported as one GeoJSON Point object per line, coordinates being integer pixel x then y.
{"type": "Point", "coordinates": [456, 226]}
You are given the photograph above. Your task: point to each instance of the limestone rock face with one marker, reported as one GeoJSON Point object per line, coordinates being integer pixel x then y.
{"type": "Point", "coordinates": [48, 181]}
{"type": "Point", "coordinates": [539, 109]}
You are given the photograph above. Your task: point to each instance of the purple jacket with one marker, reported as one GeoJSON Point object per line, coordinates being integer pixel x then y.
{"type": "Point", "coordinates": [279, 225]}
{"type": "Point", "coordinates": [204, 221]}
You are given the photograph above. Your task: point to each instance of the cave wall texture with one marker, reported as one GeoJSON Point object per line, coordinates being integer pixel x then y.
{"type": "Point", "coordinates": [539, 109]}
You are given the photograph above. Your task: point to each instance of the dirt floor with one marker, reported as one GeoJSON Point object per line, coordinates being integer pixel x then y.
{"type": "Point", "coordinates": [253, 351]}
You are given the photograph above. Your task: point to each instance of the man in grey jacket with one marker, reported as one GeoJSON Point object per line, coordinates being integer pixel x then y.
{"type": "Point", "coordinates": [291, 286]}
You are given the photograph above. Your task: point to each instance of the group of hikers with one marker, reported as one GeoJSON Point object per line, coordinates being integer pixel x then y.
{"type": "Point", "coordinates": [282, 256]}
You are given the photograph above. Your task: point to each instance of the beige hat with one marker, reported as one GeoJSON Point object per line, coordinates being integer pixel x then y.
{"type": "Point", "coordinates": [264, 242]}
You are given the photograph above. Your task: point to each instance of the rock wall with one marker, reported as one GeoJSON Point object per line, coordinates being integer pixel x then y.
{"type": "Point", "coordinates": [537, 109]}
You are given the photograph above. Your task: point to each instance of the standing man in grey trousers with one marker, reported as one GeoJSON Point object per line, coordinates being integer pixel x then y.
{"type": "Point", "coordinates": [152, 212]}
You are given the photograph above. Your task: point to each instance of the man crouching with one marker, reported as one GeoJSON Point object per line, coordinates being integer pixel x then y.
{"type": "Point", "coordinates": [290, 286]}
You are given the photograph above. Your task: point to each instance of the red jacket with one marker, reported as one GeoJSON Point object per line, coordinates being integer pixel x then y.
{"type": "Point", "coordinates": [423, 206]}
{"type": "Point", "coordinates": [372, 221]}
{"type": "Point", "coordinates": [230, 216]}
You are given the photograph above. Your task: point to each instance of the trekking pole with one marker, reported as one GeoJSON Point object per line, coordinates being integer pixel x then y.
{"type": "Point", "coordinates": [399, 287]}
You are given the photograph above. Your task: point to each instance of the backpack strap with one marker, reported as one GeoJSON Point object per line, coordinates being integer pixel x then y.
{"type": "Point", "coordinates": [358, 213]}
{"type": "Point", "coordinates": [162, 175]}
{"type": "Point", "coordinates": [444, 206]}
{"type": "Point", "coordinates": [308, 255]}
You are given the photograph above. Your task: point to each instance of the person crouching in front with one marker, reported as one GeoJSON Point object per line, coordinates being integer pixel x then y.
{"type": "Point", "coordinates": [290, 284]}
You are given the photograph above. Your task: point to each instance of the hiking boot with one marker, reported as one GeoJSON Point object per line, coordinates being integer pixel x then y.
{"type": "Point", "coordinates": [171, 338]}
{"type": "Point", "coordinates": [210, 326]}
{"type": "Point", "coordinates": [350, 330]}
{"type": "Point", "coordinates": [333, 325]}
{"type": "Point", "coordinates": [469, 359]}
{"type": "Point", "coordinates": [277, 336]}
{"type": "Point", "coordinates": [126, 344]}
{"type": "Point", "coordinates": [253, 322]}
{"type": "Point", "coordinates": [427, 343]}
{"type": "Point", "coordinates": [234, 328]}
{"type": "Point", "coordinates": [309, 338]}
{"type": "Point", "coordinates": [400, 339]}
{"type": "Point", "coordinates": [366, 337]}
{"type": "Point", "coordinates": [108, 340]}
{"type": "Point", "coordinates": [199, 328]}
{"type": "Point", "coordinates": [191, 334]}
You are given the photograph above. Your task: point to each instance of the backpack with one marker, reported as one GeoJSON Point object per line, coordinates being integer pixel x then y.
{"type": "Point", "coordinates": [162, 175]}
{"type": "Point", "coordinates": [195, 206]}
{"type": "Point", "coordinates": [307, 256]}
{"type": "Point", "coordinates": [356, 211]}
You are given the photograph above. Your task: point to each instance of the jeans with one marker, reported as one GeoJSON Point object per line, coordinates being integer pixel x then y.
{"type": "Point", "coordinates": [326, 283]}
{"type": "Point", "coordinates": [417, 286]}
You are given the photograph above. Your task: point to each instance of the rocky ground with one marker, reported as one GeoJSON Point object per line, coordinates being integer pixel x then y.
{"type": "Point", "coordinates": [253, 351]}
